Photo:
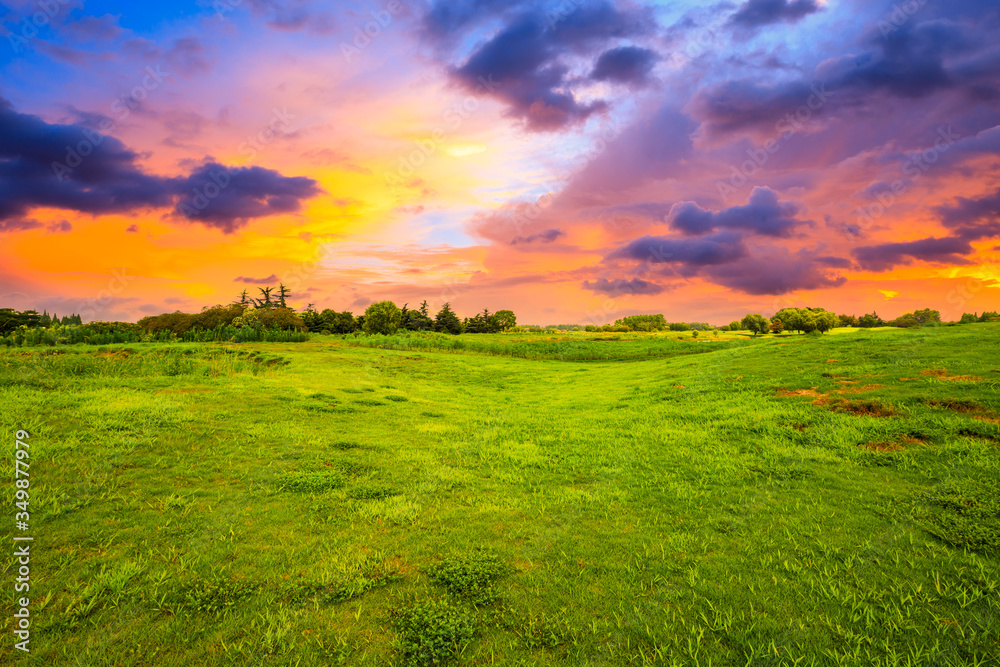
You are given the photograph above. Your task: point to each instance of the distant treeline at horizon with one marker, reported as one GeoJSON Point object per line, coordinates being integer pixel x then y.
{"type": "Point", "coordinates": [273, 313]}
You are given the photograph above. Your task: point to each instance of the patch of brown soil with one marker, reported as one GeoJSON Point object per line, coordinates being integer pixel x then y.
{"type": "Point", "coordinates": [942, 374]}
{"type": "Point", "coordinates": [864, 408]}
{"type": "Point", "coordinates": [984, 418]}
{"type": "Point", "coordinates": [959, 405]}
{"type": "Point", "coordinates": [821, 399]}
{"type": "Point", "coordinates": [833, 361]}
{"type": "Point", "coordinates": [679, 386]}
{"type": "Point", "coordinates": [859, 390]}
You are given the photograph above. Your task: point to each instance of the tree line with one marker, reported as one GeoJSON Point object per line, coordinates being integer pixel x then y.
{"type": "Point", "coordinates": [11, 319]}
{"type": "Point", "coordinates": [385, 317]}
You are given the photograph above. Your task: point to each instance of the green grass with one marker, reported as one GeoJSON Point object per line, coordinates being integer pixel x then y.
{"type": "Point", "coordinates": [790, 500]}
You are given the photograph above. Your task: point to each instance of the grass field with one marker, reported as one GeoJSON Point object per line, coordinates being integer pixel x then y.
{"type": "Point", "coordinates": [792, 500]}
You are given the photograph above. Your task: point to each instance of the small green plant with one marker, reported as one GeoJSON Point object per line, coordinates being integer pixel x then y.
{"type": "Point", "coordinates": [431, 632]}
{"type": "Point", "coordinates": [344, 445]}
{"type": "Point", "coordinates": [372, 493]}
{"type": "Point", "coordinates": [471, 576]}
{"type": "Point", "coordinates": [965, 513]}
{"type": "Point", "coordinates": [312, 481]}
{"type": "Point", "coordinates": [212, 596]}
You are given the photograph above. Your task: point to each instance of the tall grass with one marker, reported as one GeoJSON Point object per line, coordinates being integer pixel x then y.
{"type": "Point", "coordinates": [71, 335]}
{"type": "Point", "coordinates": [564, 349]}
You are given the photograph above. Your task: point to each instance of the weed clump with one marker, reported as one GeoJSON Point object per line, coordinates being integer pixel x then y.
{"type": "Point", "coordinates": [312, 481]}
{"type": "Point", "coordinates": [431, 632]}
{"type": "Point", "coordinates": [471, 576]}
{"type": "Point", "coordinates": [371, 493]}
{"type": "Point", "coordinates": [344, 445]}
{"type": "Point", "coordinates": [964, 513]}
{"type": "Point", "coordinates": [213, 596]}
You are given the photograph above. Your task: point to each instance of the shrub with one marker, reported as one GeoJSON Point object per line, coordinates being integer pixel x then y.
{"type": "Point", "coordinates": [312, 481]}
{"type": "Point", "coordinates": [471, 576]}
{"type": "Point", "coordinates": [431, 632]}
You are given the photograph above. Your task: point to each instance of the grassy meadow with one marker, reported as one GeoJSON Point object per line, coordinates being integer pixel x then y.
{"type": "Point", "coordinates": [565, 499]}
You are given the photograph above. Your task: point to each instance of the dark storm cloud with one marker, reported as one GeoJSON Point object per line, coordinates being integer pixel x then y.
{"type": "Point", "coordinates": [622, 287]}
{"type": "Point", "coordinates": [967, 211]}
{"type": "Point", "coordinates": [705, 251]}
{"type": "Point", "coordinates": [910, 63]}
{"type": "Point", "coordinates": [447, 17]}
{"type": "Point", "coordinates": [885, 256]}
{"type": "Point", "coordinates": [764, 214]}
{"type": "Point", "coordinates": [724, 259]}
{"type": "Point", "coordinates": [257, 281]}
{"type": "Point", "coordinates": [775, 271]}
{"type": "Point", "coordinates": [758, 13]}
{"type": "Point", "coordinates": [625, 64]}
{"type": "Point", "coordinates": [73, 167]}
{"type": "Point", "coordinates": [522, 63]}
{"type": "Point", "coordinates": [547, 236]}
{"type": "Point", "coordinates": [240, 194]}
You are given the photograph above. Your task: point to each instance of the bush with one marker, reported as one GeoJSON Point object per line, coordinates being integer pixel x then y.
{"type": "Point", "coordinates": [470, 576]}
{"type": "Point", "coordinates": [432, 632]}
{"type": "Point", "coordinates": [313, 481]}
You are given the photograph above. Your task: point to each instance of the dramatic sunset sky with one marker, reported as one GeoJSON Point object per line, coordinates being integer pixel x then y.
{"type": "Point", "coordinates": [573, 161]}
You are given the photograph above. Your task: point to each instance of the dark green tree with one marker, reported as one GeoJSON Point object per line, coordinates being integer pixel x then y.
{"type": "Point", "coordinates": [283, 293]}
{"type": "Point", "coordinates": [756, 323]}
{"type": "Point", "coordinates": [382, 317]}
{"type": "Point", "coordinates": [447, 321]}
{"type": "Point", "coordinates": [266, 301]}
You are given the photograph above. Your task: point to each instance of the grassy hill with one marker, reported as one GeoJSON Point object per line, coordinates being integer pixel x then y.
{"type": "Point", "coordinates": [573, 499]}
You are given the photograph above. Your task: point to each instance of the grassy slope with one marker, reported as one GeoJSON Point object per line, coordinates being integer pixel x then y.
{"type": "Point", "coordinates": [672, 510]}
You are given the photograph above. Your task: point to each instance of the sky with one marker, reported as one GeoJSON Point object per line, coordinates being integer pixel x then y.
{"type": "Point", "coordinates": [573, 161]}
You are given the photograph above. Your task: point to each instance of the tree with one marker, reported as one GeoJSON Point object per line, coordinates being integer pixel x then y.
{"type": "Point", "coordinates": [417, 320]}
{"type": "Point", "coordinates": [826, 321]}
{"type": "Point", "coordinates": [447, 321]}
{"type": "Point", "coordinates": [756, 323]}
{"type": "Point", "coordinates": [847, 320]}
{"type": "Point", "coordinates": [266, 301]}
{"type": "Point", "coordinates": [968, 318]}
{"type": "Point", "coordinates": [643, 322]}
{"type": "Point", "coordinates": [244, 298]}
{"type": "Point", "coordinates": [869, 321]}
{"type": "Point", "coordinates": [791, 318]}
{"type": "Point", "coordinates": [734, 325]}
{"type": "Point", "coordinates": [382, 317]}
{"type": "Point", "coordinates": [776, 326]}
{"type": "Point", "coordinates": [283, 293]}
{"type": "Point", "coordinates": [312, 318]}
{"type": "Point", "coordinates": [505, 319]}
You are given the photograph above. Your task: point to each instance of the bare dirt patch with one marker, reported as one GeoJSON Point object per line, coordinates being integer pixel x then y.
{"type": "Point", "coordinates": [812, 393]}
{"type": "Point", "coordinates": [833, 361]}
{"type": "Point", "coordinates": [864, 407]}
{"type": "Point", "coordinates": [859, 390]}
{"type": "Point", "coordinates": [942, 374]}
{"type": "Point", "coordinates": [955, 405]}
